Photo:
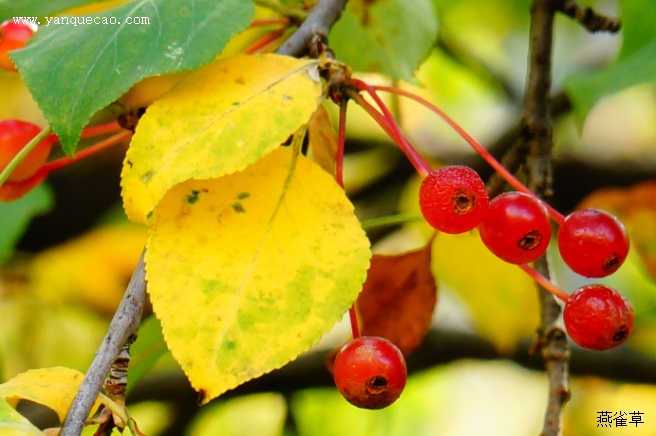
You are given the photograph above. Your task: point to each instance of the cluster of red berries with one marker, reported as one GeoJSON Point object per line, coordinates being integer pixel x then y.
{"type": "Point", "coordinates": [516, 227]}
{"type": "Point", "coordinates": [12, 37]}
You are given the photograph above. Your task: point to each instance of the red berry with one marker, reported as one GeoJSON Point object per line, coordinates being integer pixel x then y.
{"type": "Point", "coordinates": [14, 135]}
{"type": "Point", "coordinates": [516, 227]}
{"type": "Point", "coordinates": [12, 36]}
{"type": "Point", "coordinates": [453, 199]}
{"type": "Point", "coordinates": [370, 372]}
{"type": "Point", "coordinates": [593, 243]}
{"type": "Point", "coordinates": [598, 317]}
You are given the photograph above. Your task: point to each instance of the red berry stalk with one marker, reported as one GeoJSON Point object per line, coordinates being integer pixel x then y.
{"type": "Point", "coordinates": [545, 283]}
{"type": "Point", "coordinates": [389, 125]}
{"type": "Point", "coordinates": [512, 180]}
{"type": "Point", "coordinates": [267, 40]}
{"type": "Point", "coordinates": [339, 178]}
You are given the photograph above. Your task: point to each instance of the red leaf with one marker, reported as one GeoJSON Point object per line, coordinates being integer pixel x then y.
{"type": "Point", "coordinates": [398, 298]}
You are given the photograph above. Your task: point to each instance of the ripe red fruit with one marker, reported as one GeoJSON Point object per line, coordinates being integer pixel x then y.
{"type": "Point", "coordinates": [597, 317]}
{"type": "Point", "coordinates": [370, 372]}
{"type": "Point", "coordinates": [14, 135]}
{"type": "Point", "coordinates": [516, 227]}
{"type": "Point", "coordinates": [12, 36]}
{"type": "Point", "coordinates": [453, 199]}
{"type": "Point", "coordinates": [593, 242]}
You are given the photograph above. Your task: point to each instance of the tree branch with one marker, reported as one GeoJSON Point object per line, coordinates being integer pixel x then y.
{"type": "Point", "coordinates": [590, 19]}
{"type": "Point", "coordinates": [124, 324]}
{"type": "Point", "coordinates": [318, 24]}
{"type": "Point", "coordinates": [537, 135]}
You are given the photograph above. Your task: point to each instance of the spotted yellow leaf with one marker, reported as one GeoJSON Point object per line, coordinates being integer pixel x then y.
{"type": "Point", "coordinates": [54, 388]}
{"type": "Point", "coordinates": [247, 271]}
{"type": "Point", "coordinates": [218, 120]}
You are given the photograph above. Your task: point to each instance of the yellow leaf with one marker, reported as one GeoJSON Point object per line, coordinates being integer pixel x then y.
{"type": "Point", "coordinates": [54, 388]}
{"type": "Point", "coordinates": [108, 255]}
{"type": "Point", "coordinates": [502, 298]}
{"type": "Point", "coordinates": [218, 120]}
{"type": "Point", "coordinates": [322, 144]}
{"type": "Point", "coordinates": [247, 271]}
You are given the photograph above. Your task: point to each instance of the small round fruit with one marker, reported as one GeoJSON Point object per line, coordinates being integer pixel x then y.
{"type": "Point", "coordinates": [516, 227]}
{"type": "Point", "coordinates": [453, 199]}
{"type": "Point", "coordinates": [12, 36]}
{"type": "Point", "coordinates": [593, 243]}
{"type": "Point", "coordinates": [14, 135]}
{"type": "Point", "coordinates": [597, 317]}
{"type": "Point", "coordinates": [370, 372]}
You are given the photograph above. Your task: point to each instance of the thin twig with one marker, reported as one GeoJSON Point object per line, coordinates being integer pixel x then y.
{"type": "Point", "coordinates": [124, 324]}
{"type": "Point", "coordinates": [537, 133]}
{"type": "Point", "coordinates": [317, 25]}
{"type": "Point", "coordinates": [590, 19]}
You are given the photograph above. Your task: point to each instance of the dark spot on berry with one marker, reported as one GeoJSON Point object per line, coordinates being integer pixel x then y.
{"type": "Point", "coordinates": [376, 385]}
{"type": "Point", "coordinates": [530, 241]}
{"type": "Point", "coordinates": [463, 201]}
{"type": "Point", "coordinates": [620, 335]}
{"type": "Point", "coordinates": [612, 263]}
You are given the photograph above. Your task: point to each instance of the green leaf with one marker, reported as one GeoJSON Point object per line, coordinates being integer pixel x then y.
{"type": "Point", "coordinates": [586, 89]}
{"type": "Point", "coordinates": [391, 37]}
{"type": "Point", "coordinates": [36, 8]}
{"type": "Point", "coordinates": [16, 215]}
{"type": "Point", "coordinates": [247, 271]}
{"type": "Point", "coordinates": [75, 70]}
{"type": "Point", "coordinates": [635, 65]}
{"type": "Point", "coordinates": [638, 18]}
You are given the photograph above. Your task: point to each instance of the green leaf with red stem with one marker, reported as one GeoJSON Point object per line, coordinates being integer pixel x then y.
{"type": "Point", "coordinates": [105, 60]}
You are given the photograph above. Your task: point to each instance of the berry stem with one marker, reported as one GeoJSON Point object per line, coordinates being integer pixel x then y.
{"type": "Point", "coordinates": [98, 130]}
{"type": "Point", "coordinates": [265, 40]}
{"type": "Point", "coordinates": [545, 283]}
{"type": "Point", "coordinates": [339, 178]}
{"type": "Point", "coordinates": [270, 21]}
{"type": "Point", "coordinates": [511, 179]}
{"type": "Point", "coordinates": [353, 317]}
{"type": "Point", "coordinates": [421, 166]}
{"type": "Point", "coordinates": [4, 175]}
{"type": "Point", "coordinates": [84, 153]}
{"type": "Point", "coordinates": [417, 160]}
